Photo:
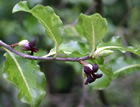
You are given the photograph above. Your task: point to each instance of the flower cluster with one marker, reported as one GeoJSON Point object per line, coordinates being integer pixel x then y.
{"type": "Point", "coordinates": [90, 72]}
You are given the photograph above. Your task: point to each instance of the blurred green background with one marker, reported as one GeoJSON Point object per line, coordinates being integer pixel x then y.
{"type": "Point", "coordinates": [64, 80]}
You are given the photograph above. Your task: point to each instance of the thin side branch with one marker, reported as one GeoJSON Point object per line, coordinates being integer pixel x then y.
{"type": "Point", "coordinates": [41, 58]}
{"type": "Point", "coordinates": [87, 12]}
{"type": "Point", "coordinates": [91, 8]}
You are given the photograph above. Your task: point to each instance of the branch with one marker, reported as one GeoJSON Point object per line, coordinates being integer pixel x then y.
{"type": "Point", "coordinates": [41, 58]}
{"type": "Point", "coordinates": [87, 12]}
{"type": "Point", "coordinates": [91, 8]}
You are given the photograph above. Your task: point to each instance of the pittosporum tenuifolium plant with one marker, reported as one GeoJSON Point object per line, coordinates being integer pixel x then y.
{"type": "Point", "coordinates": [91, 28]}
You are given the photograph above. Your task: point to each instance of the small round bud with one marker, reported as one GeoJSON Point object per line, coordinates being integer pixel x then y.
{"type": "Point", "coordinates": [104, 53]}
{"type": "Point", "coordinates": [22, 43]}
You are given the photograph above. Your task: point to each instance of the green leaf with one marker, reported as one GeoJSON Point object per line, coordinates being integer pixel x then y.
{"type": "Point", "coordinates": [21, 6]}
{"type": "Point", "coordinates": [117, 72]}
{"type": "Point", "coordinates": [73, 48]}
{"type": "Point", "coordinates": [101, 83]}
{"type": "Point", "coordinates": [94, 28]}
{"type": "Point", "coordinates": [51, 22]}
{"type": "Point", "coordinates": [34, 2]}
{"type": "Point", "coordinates": [71, 33]}
{"type": "Point", "coordinates": [115, 43]}
{"type": "Point", "coordinates": [118, 62]}
{"type": "Point", "coordinates": [107, 70]}
{"type": "Point", "coordinates": [106, 79]}
{"type": "Point", "coordinates": [26, 75]}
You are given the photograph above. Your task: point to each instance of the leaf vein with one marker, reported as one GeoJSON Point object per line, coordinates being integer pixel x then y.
{"type": "Point", "coordinates": [20, 70]}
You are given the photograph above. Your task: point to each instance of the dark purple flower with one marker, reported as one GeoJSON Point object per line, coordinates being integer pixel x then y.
{"type": "Point", "coordinates": [89, 79]}
{"type": "Point", "coordinates": [94, 67]}
{"type": "Point", "coordinates": [90, 71]}
{"type": "Point", "coordinates": [97, 75]}
{"type": "Point", "coordinates": [28, 46]}
{"type": "Point", "coordinates": [32, 46]}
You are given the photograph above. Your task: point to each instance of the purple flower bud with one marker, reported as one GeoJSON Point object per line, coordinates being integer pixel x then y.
{"type": "Point", "coordinates": [92, 80]}
{"type": "Point", "coordinates": [89, 79]}
{"type": "Point", "coordinates": [95, 67]}
{"type": "Point", "coordinates": [98, 75]}
{"type": "Point", "coordinates": [88, 68]}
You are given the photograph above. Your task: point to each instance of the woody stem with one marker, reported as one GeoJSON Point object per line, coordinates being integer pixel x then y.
{"type": "Point", "coordinates": [10, 48]}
